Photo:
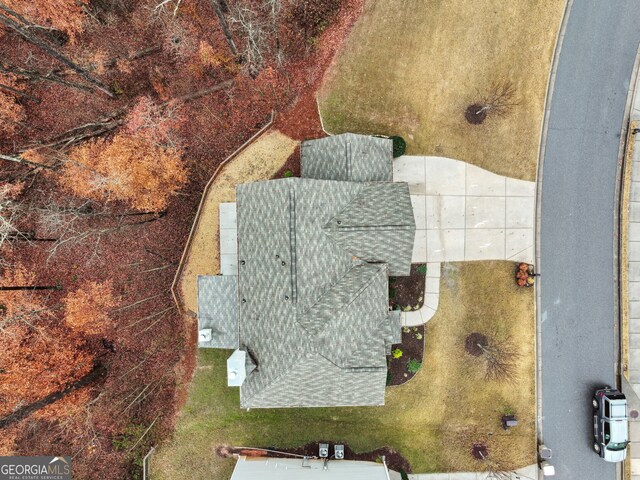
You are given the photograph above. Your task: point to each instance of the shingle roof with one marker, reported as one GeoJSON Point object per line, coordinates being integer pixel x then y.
{"type": "Point", "coordinates": [377, 226]}
{"type": "Point", "coordinates": [218, 310]}
{"type": "Point", "coordinates": [348, 157]}
{"type": "Point", "coordinates": [313, 316]}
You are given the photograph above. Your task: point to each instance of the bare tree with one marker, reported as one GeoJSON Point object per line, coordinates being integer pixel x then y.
{"type": "Point", "coordinates": [21, 26]}
{"type": "Point", "coordinates": [501, 358]}
{"type": "Point", "coordinates": [35, 76]}
{"type": "Point", "coordinates": [255, 45]}
{"type": "Point", "coordinates": [219, 8]}
{"type": "Point", "coordinates": [502, 97]}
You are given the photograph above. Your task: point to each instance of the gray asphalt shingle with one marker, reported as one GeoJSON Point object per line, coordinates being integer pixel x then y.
{"type": "Point", "coordinates": [314, 316]}
{"type": "Point", "coordinates": [348, 157]}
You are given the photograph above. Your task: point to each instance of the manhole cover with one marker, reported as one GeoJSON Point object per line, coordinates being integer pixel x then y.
{"type": "Point", "coordinates": [633, 413]}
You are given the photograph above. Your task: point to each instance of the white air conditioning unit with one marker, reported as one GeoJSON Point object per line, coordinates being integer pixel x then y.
{"type": "Point", "coordinates": [324, 450]}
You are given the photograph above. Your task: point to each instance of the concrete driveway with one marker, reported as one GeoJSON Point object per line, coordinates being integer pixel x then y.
{"type": "Point", "coordinates": [463, 212]}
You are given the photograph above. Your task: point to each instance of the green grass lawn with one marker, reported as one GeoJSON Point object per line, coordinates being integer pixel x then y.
{"type": "Point", "coordinates": [432, 420]}
{"type": "Point", "coordinates": [411, 68]}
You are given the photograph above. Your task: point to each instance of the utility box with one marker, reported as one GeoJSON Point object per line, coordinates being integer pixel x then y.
{"type": "Point", "coordinates": [548, 470]}
{"type": "Point", "coordinates": [509, 421]}
{"type": "Point", "coordinates": [324, 450]}
{"type": "Point", "coordinates": [339, 452]}
{"type": "Point", "coordinates": [544, 452]}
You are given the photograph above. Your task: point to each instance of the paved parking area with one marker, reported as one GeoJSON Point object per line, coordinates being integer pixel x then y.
{"type": "Point", "coordinates": [228, 239]}
{"type": "Point", "coordinates": [463, 212]}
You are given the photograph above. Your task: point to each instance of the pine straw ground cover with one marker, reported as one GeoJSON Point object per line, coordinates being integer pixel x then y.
{"type": "Point", "coordinates": [413, 68]}
{"type": "Point", "coordinates": [260, 160]}
{"type": "Point", "coordinates": [433, 421]}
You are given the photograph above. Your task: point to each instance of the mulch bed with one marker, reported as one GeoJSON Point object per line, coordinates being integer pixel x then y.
{"type": "Point", "coordinates": [475, 114]}
{"type": "Point", "coordinates": [291, 168]}
{"type": "Point", "coordinates": [474, 342]}
{"type": "Point", "coordinates": [412, 347]}
{"type": "Point", "coordinates": [408, 292]}
{"type": "Point", "coordinates": [394, 460]}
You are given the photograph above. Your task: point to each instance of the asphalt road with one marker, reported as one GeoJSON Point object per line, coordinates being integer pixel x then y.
{"type": "Point", "coordinates": [577, 241]}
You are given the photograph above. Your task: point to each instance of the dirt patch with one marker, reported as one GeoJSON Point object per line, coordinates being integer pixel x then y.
{"type": "Point", "coordinates": [480, 451]}
{"type": "Point", "coordinates": [412, 348]}
{"type": "Point", "coordinates": [407, 293]}
{"type": "Point", "coordinates": [393, 459]}
{"type": "Point", "coordinates": [474, 343]}
{"type": "Point", "coordinates": [475, 114]}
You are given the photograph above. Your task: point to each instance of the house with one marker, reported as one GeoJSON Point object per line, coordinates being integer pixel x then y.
{"type": "Point", "coordinates": [308, 311]}
{"type": "Point", "coordinates": [263, 468]}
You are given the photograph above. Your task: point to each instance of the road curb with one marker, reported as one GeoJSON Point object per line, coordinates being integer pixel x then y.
{"type": "Point", "coordinates": [620, 279]}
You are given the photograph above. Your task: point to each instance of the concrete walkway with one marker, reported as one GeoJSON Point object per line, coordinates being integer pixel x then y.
{"type": "Point", "coordinates": [463, 212]}
{"type": "Point", "coordinates": [526, 473]}
{"type": "Point", "coordinates": [632, 387]}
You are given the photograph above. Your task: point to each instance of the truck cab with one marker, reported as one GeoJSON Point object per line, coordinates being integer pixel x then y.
{"type": "Point", "coordinates": [610, 424]}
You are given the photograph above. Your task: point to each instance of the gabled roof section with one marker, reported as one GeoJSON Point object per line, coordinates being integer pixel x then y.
{"type": "Point", "coordinates": [377, 225]}
{"type": "Point", "coordinates": [218, 310]}
{"type": "Point", "coordinates": [345, 321]}
{"type": "Point", "coordinates": [348, 157]}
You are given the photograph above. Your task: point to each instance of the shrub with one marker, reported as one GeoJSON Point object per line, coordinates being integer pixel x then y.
{"type": "Point", "coordinates": [413, 366]}
{"type": "Point", "coordinates": [422, 269]}
{"type": "Point", "coordinates": [396, 353]}
{"type": "Point", "coordinates": [403, 475]}
{"type": "Point", "coordinates": [399, 146]}
{"type": "Point", "coordinates": [287, 174]}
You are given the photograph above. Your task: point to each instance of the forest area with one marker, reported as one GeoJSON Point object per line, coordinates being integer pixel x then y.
{"type": "Point", "coordinates": [113, 116]}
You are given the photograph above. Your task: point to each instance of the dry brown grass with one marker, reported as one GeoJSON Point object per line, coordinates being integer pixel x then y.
{"type": "Point", "coordinates": [259, 161]}
{"type": "Point", "coordinates": [432, 420]}
{"type": "Point", "coordinates": [624, 250]}
{"type": "Point", "coordinates": [411, 68]}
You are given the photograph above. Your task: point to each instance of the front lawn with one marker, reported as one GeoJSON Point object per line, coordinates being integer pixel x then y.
{"type": "Point", "coordinates": [412, 68]}
{"type": "Point", "coordinates": [433, 420]}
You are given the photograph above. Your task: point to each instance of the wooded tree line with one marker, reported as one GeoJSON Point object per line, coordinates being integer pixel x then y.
{"type": "Point", "coordinates": [112, 114]}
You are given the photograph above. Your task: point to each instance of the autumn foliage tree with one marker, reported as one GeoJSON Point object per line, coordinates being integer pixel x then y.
{"type": "Point", "coordinates": [37, 357]}
{"type": "Point", "coordinates": [33, 365]}
{"type": "Point", "coordinates": [130, 168]}
{"type": "Point", "coordinates": [87, 309]}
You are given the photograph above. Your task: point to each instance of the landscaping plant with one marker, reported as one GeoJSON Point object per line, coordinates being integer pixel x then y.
{"type": "Point", "coordinates": [413, 366]}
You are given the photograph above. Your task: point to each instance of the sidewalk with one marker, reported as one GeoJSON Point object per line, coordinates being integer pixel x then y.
{"type": "Point", "coordinates": [526, 473]}
{"type": "Point", "coordinates": [631, 383]}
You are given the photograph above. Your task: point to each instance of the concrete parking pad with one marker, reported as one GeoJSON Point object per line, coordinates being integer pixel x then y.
{"type": "Point", "coordinates": [463, 212]}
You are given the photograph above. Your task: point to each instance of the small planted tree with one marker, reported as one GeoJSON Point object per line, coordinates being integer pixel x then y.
{"type": "Point", "coordinates": [502, 97]}
{"type": "Point", "coordinates": [498, 353]}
